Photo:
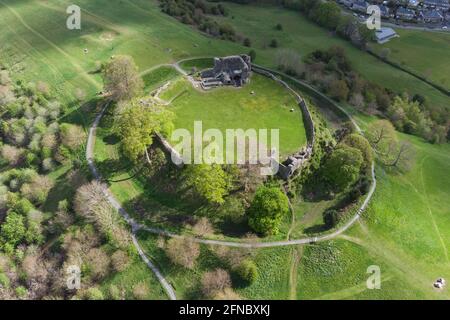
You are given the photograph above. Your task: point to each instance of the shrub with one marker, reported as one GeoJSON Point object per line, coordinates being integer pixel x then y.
{"type": "Point", "coordinates": [21, 292]}
{"type": "Point", "coordinates": [247, 271]}
{"type": "Point", "coordinates": [273, 43]}
{"type": "Point", "coordinates": [247, 42]}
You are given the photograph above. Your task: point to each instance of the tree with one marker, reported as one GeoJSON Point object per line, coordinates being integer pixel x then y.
{"type": "Point", "coordinates": [327, 14]}
{"type": "Point", "coordinates": [203, 227]}
{"type": "Point", "coordinates": [279, 27]}
{"type": "Point", "coordinates": [339, 90]}
{"type": "Point", "coordinates": [141, 291]}
{"type": "Point", "coordinates": [11, 154]}
{"type": "Point", "coordinates": [267, 209]}
{"type": "Point", "coordinates": [13, 230]}
{"type": "Point", "coordinates": [342, 167]}
{"type": "Point", "coordinates": [37, 189]}
{"type": "Point", "coordinates": [120, 260]}
{"type": "Point", "coordinates": [400, 155]}
{"type": "Point", "coordinates": [121, 78]}
{"type": "Point", "coordinates": [289, 61]}
{"type": "Point", "coordinates": [215, 282]}
{"type": "Point", "coordinates": [273, 43]}
{"type": "Point", "coordinates": [72, 136]}
{"type": "Point", "coordinates": [247, 271]}
{"type": "Point", "coordinates": [90, 203]}
{"type": "Point", "coordinates": [183, 252]}
{"type": "Point", "coordinates": [359, 142]}
{"type": "Point", "coordinates": [331, 218]}
{"type": "Point", "coordinates": [94, 293]}
{"type": "Point", "coordinates": [380, 133]}
{"type": "Point", "coordinates": [136, 125]}
{"type": "Point", "coordinates": [209, 181]}
{"type": "Point", "coordinates": [247, 42]}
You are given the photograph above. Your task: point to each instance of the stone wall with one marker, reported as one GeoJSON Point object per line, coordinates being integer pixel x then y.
{"type": "Point", "coordinates": [298, 159]}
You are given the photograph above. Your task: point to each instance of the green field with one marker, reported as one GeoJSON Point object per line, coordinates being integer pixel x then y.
{"type": "Point", "coordinates": [237, 108]}
{"type": "Point", "coordinates": [423, 52]}
{"type": "Point", "coordinates": [258, 23]}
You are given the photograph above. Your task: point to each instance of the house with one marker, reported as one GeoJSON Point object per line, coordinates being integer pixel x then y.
{"type": "Point", "coordinates": [405, 14]}
{"type": "Point", "coordinates": [231, 70]}
{"type": "Point", "coordinates": [347, 3]}
{"type": "Point", "coordinates": [437, 4]}
{"type": "Point", "coordinates": [432, 16]}
{"type": "Point", "coordinates": [360, 5]}
{"type": "Point", "coordinates": [385, 34]}
{"type": "Point", "coordinates": [413, 3]}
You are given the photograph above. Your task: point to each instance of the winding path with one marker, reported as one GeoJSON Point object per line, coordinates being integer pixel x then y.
{"type": "Point", "coordinates": [137, 226]}
{"type": "Point", "coordinates": [113, 201]}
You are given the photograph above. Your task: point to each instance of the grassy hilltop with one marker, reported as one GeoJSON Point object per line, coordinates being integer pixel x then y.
{"type": "Point", "coordinates": [406, 229]}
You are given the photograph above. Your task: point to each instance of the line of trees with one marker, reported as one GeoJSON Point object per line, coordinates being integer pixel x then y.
{"type": "Point", "coordinates": [195, 12]}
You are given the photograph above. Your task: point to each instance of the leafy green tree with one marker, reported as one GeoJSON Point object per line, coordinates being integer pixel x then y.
{"type": "Point", "coordinates": [137, 124]}
{"type": "Point", "coordinates": [359, 142]}
{"type": "Point", "coordinates": [267, 209]}
{"type": "Point", "coordinates": [209, 181]}
{"type": "Point", "coordinates": [13, 230]}
{"type": "Point", "coordinates": [339, 90]}
{"type": "Point", "coordinates": [121, 78]}
{"type": "Point", "coordinates": [247, 271]}
{"type": "Point", "coordinates": [343, 166]}
{"type": "Point", "coordinates": [331, 218]}
{"type": "Point", "coordinates": [327, 14]}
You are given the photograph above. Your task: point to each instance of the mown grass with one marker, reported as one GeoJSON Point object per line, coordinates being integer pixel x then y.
{"type": "Point", "coordinates": [262, 104]}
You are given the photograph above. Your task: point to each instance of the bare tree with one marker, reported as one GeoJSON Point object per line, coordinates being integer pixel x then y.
{"type": "Point", "coordinates": [203, 227]}
{"type": "Point", "coordinates": [380, 133]}
{"type": "Point", "coordinates": [183, 252]}
{"type": "Point", "coordinates": [122, 79]}
{"type": "Point", "coordinates": [401, 155]}
{"type": "Point", "coordinates": [215, 282]}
